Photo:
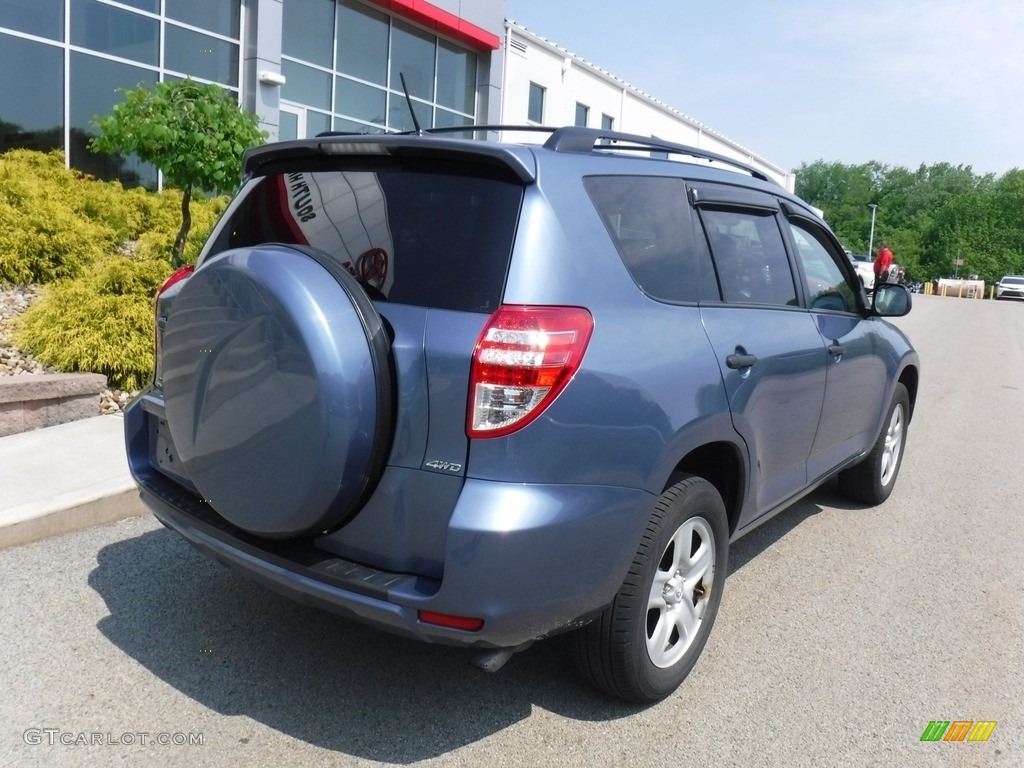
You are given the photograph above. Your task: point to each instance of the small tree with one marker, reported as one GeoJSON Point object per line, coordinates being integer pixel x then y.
{"type": "Point", "coordinates": [194, 133]}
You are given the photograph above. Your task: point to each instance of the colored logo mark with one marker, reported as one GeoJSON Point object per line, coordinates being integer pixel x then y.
{"type": "Point", "coordinates": [958, 730]}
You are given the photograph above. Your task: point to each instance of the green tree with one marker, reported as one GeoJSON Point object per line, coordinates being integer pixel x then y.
{"type": "Point", "coordinates": [194, 133]}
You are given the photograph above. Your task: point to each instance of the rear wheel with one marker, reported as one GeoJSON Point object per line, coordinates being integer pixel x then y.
{"type": "Point", "coordinates": [646, 642]}
{"type": "Point", "coordinates": [872, 480]}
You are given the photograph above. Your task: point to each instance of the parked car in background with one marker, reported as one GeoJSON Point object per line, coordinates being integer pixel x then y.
{"type": "Point", "coordinates": [865, 268]}
{"type": "Point", "coordinates": [480, 394]}
{"type": "Point", "coordinates": [1010, 287]}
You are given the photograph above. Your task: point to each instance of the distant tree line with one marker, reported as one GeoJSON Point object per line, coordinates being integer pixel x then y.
{"type": "Point", "coordinates": [929, 217]}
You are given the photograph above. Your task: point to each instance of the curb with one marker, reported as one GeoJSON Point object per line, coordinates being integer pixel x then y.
{"type": "Point", "coordinates": [64, 478]}
{"type": "Point", "coordinates": [109, 509]}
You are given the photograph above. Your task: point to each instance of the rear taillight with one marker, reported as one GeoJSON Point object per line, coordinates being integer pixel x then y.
{"type": "Point", "coordinates": [525, 356]}
{"type": "Point", "coordinates": [176, 277]}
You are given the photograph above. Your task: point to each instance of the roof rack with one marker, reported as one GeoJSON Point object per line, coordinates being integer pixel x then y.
{"type": "Point", "coordinates": [478, 128]}
{"type": "Point", "coordinates": [586, 140]}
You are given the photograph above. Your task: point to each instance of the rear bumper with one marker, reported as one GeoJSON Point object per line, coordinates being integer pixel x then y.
{"type": "Point", "coordinates": [529, 560]}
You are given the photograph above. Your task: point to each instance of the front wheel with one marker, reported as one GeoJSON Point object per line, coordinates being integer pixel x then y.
{"type": "Point", "coordinates": [646, 642]}
{"type": "Point", "coordinates": [872, 480]}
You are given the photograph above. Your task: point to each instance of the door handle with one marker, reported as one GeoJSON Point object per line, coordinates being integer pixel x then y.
{"type": "Point", "coordinates": [836, 350]}
{"type": "Point", "coordinates": [740, 361]}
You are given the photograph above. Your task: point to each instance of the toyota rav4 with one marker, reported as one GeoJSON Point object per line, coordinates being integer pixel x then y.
{"type": "Point", "coordinates": [481, 394]}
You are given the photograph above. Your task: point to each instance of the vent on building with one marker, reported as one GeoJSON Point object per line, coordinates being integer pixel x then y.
{"type": "Point", "coordinates": [518, 46]}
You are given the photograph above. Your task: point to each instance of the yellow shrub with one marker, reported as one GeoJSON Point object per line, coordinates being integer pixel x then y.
{"type": "Point", "coordinates": [100, 322]}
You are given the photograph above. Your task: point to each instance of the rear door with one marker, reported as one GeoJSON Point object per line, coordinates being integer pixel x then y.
{"type": "Point", "coordinates": [769, 350]}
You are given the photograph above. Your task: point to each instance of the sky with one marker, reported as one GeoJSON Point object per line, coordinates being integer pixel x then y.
{"type": "Point", "coordinates": [901, 82]}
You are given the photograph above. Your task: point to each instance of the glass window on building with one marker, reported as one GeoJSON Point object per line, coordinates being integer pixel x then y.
{"type": "Point", "coordinates": [456, 78]}
{"type": "Point", "coordinates": [582, 114]}
{"type": "Point", "coordinates": [306, 85]}
{"type": "Point", "coordinates": [400, 119]}
{"type": "Point", "coordinates": [193, 53]}
{"type": "Point", "coordinates": [356, 75]}
{"type": "Point", "coordinates": [317, 122]}
{"type": "Point", "coordinates": [362, 40]}
{"type": "Point", "coordinates": [43, 18]}
{"type": "Point", "coordinates": [412, 55]}
{"type": "Point", "coordinates": [153, 6]}
{"type": "Point", "coordinates": [351, 126]}
{"type": "Point", "coordinates": [306, 31]}
{"type": "Point", "coordinates": [110, 30]}
{"type": "Point", "coordinates": [445, 119]}
{"type": "Point", "coordinates": [94, 84]}
{"type": "Point", "coordinates": [535, 111]}
{"type": "Point", "coordinates": [31, 109]}
{"type": "Point", "coordinates": [360, 101]}
{"type": "Point", "coordinates": [220, 16]}
{"type": "Point", "coordinates": [607, 123]}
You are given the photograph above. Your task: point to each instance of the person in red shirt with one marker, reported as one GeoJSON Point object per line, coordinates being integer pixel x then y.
{"type": "Point", "coordinates": [882, 263]}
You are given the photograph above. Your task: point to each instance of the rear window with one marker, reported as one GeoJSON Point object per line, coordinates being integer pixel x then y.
{"type": "Point", "coordinates": [430, 239]}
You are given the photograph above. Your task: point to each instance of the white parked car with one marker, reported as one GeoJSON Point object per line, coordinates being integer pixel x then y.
{"type": "Point", "coordinates": [865, 268]}
{"type": "Point", "coordinates": [1010, 287]}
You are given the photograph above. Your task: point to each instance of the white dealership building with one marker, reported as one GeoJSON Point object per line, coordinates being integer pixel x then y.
{"type": "Point", "coordinates": [306, 66]}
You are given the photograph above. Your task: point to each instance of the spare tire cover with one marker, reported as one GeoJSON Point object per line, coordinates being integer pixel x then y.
{"type": "Point", "coordinates": [277, 389]}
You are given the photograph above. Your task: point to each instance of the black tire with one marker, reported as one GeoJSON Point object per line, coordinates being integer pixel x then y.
{"type": "Point", "coordinates": [872, 480]}
{"type": "Point", "coordinates": [613, 651]}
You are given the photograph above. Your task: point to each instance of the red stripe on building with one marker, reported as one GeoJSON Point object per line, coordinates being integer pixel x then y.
{"type": "Point", "coordinates": [442, 22]}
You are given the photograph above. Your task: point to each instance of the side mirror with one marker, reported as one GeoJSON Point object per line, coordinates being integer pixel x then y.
{"type": "Point", "coordinates": [891, 300]}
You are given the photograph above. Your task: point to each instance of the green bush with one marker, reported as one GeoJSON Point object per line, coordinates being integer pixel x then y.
{"type": "Point", "coordinates": [101, 321]}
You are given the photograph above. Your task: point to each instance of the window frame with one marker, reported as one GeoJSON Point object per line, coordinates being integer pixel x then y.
{"type": "Point", "coordinates": [538, 90]}
{"type": "Point", "coordinates": [585, 110]}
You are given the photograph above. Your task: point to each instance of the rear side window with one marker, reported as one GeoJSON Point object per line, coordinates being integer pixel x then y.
{"type": "Point", "coordinates": [436, 240]}
{"type": "Point", "coordinates": [749, 256]}
{"type": "Point", "coordinates": [648, 219]}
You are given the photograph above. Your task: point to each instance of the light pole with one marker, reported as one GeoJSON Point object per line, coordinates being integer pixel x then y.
{"type": "Point", "coordinates": [871, 238]}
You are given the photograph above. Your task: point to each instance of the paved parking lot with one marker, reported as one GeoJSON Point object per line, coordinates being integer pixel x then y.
{"type": "Point", "coordinates": [843, 632]}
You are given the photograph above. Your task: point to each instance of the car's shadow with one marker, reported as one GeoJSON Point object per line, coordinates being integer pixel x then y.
{"type": "Point", "coordinates": [240, 649]}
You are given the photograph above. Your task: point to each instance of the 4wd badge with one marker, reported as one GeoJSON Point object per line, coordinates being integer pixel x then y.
{"type": "Point", "coordinates": [443, 466]}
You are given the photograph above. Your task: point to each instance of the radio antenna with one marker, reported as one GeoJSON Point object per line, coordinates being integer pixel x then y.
{"type": "Point", "coordinates": [408, 100]}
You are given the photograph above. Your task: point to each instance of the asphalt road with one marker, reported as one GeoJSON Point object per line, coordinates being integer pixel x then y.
{"type": "Point", "coordinates": [842, 633]}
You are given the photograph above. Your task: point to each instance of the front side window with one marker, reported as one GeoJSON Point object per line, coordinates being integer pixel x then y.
{"type": "Point", "coordinates": [648, 221]}
{"type": "Point", "coordinates": [749, 256]}
{"type": "Point", "coordinates": [827, 287]}
{"type": "Point", "coordinates": [535, 110]}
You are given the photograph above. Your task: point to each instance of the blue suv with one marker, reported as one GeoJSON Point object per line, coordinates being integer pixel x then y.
{"type": "Point", "coordinates": [482, 394]}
